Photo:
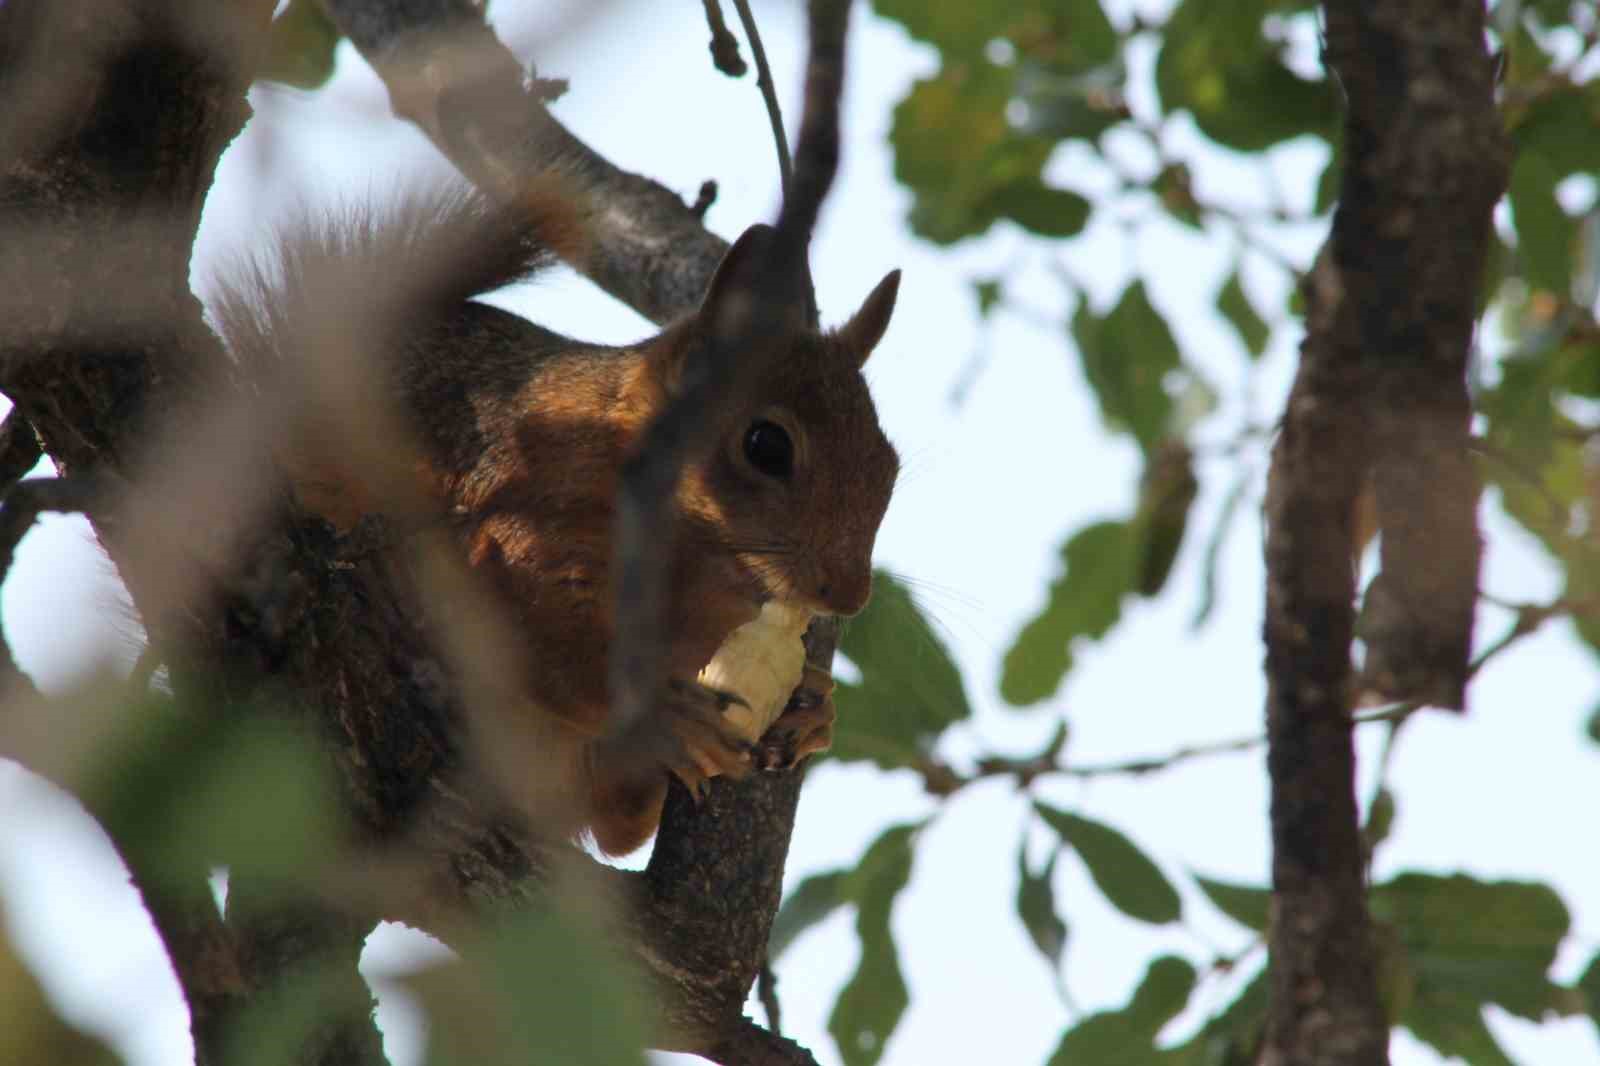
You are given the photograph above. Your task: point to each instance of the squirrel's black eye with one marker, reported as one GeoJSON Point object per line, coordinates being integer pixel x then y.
{"type": "Point", "coordinates": [769, 449]}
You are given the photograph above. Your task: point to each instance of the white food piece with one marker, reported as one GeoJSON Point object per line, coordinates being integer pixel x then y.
{"type": "Point", "coordinates": [761, 663]}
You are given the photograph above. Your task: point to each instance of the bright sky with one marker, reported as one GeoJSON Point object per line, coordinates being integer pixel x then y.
{"type": "Point", "coordinates": [993, 486]}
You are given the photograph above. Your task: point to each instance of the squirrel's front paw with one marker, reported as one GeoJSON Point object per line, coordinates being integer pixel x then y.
{"type": "Point", "coordinates": [806, 725]}
{"type": "Point", "coordinates": [704, 743]}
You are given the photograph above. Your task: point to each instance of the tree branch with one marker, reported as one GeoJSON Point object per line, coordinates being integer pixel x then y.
{"type": "Point", "coordinates": [1390, 308]}
{"type": "Point", "coordinates": [447, 73]}
{"type": "Point", "coordinates": [769, 91]}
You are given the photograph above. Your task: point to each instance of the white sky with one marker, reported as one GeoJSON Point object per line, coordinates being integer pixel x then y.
{"type": "Point", "coordinates": [992, 489]}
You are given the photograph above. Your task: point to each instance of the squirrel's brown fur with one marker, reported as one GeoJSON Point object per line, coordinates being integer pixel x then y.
{"type": "Point", "coordinates": [520, 436]}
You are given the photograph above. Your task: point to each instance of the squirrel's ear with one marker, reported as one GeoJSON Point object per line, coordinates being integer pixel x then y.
{"type": "Point", "coordinates": [738, 278]}
{"type": "Point", "coordinates": [866, 327]}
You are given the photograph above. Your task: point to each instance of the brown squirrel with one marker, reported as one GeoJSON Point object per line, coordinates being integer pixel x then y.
{"type": "Point", "coordinates": [520, 437]}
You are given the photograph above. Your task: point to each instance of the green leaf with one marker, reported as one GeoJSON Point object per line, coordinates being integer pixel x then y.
{"type": "Point", "coordinates": [184, 791]}
{"type": "Point", "coordinates": [1134, 885]}
{"type": "Point", "coordinates": [1241, 313]}
{"type": "Point", "coordinates": [1245, 904]}
{"type": "Point", "coordinates": [1070, 34]}
{"type": "Point", "coordinates": [910, 688]}
{"type": "Point", "coordinates": [1100, 569]}
{"type": "Point", "coordinates": [301, 47]}
{"type": "Point", "coordinates": [1127, 1037]}
{"type": "Point", "coordinates": [1544, 232]}
{"type": "Point", "coordinates": [1457, 1031]}
{"type": "Point", "coordinates": [956, 151]}
{"type": "Point", "coordinates": [537, 988]}
{"type": "Point", "coordinates": [1593, 728]}
{"type": "Point", "coordinates": [1215, 64]}
{"type": "Point", "coordinates": [872, 1001]}
{"type": "Point", "coordinates": [1559, 127]}
{"type": "Point", "coordinates": [1166, 494]}
{"type": "Point", "coordinates": [960, 29]}
{"type": "Point", "coordinates": [1589, 986]}
{"type": "Point", "coordinates": [1045, 211]}
{"type": "Point", "coordinates": [812, 900]}
{"type": "Point", "coordinates": [1127, 356]}
{"type": "Point", "coordinates": [1471, 942]}
{"type": "Point", "coordinates": [1380, 819]}
{"type": "Point", "coordinates": [1036, 906]}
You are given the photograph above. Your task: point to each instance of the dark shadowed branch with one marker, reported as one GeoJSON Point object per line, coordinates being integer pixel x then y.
{"type": "Point", "coordinates": [1390, 310]}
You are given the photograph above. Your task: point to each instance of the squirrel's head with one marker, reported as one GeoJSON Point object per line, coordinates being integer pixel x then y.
{"type": "Point", "coordinates": [801, 474]}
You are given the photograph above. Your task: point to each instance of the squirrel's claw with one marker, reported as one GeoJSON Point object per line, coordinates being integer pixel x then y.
{"type": "Point", "coordinates": [704, 743]}
{"type": "Point", "coordinates": [806, 725]}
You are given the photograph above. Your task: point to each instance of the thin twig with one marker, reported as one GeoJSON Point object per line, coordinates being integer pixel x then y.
{"type": "Point", "coordinates": [939, 779]}
{"type": "Point", "coordinates": [769, 92]}
{"type": "Point", "coordinates": [724, 46]}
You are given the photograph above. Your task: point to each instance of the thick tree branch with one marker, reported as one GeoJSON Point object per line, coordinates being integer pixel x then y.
{"type": "Point", "coordinates": [449, 74]}
{"type": "Point", "coordinates": [1390, 308]}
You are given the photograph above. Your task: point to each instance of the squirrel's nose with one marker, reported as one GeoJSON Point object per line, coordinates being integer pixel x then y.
{"type": "Point", "coordinates": [845, 597]}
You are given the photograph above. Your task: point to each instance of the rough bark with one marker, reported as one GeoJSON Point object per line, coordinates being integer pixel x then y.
{"type": "Point", "coordinates": [1380, 393]}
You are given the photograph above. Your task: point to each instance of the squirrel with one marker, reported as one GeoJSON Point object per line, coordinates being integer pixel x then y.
{"type": "Point", "coordinates": [520, 436]}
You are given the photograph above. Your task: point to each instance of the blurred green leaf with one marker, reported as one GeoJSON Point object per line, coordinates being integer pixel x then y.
{"type": "Point", "coordinates": [183, 792]}
{"type": "Point", "coordinates": [1241, 313]}
{"type": "Point", "coordinates": [957, 152]}
{"type": "Point", "coordinates": [1036, 906]}
{"type": "Point", "coordinates": [1594, 725]}
{"type": "Point", "coordinates": [1134, 885]}
{"type": "Point", "coordinates": [1380, 818]}
{"type": "Point", "coordinates": [1589, 986]}
{"type": "Point", "coordinates": [1166, 494]}
{"type": "Point", "coordinates": [1127, 356]}
{"type": "Point", "coordinates": [1559, 127]}
{"type": "Point", "coordinates": [959, 29]}
{"type": "Point", "coordinates": [1245, 904]}
{"type": "Point", "coordinates": [301, 47]}
{"type": "Point", "coordinates": [1215, 63]}
{"type": "Point", "coordinates": [1127, 1037]}
{"type": "Point", "coordinates": [1457, 1031]}
{"type": "Point", "coordinates": [1544, 231]}
{"type": "Point", "coordinates": [1070, 35]}
{"type": "Point", "coordinates": [1465, 944]}
{"type": "Point", "coordinates": [1100, 569]}
{"type": "Point", "coordinates": [872, 1001]}
{"type": "Point", "coordinates": [1045, 211]}
{"type": "Point", "coordinates": [537, 988]}
{"type": "Point", "coordinates": [910, 688]}
{"type": "Point", "coordinates": [812, 901]}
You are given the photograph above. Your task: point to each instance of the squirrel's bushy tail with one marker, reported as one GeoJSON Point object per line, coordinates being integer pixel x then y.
{"type": "Point", "coordinates": [382, 271]}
